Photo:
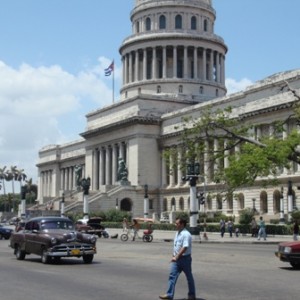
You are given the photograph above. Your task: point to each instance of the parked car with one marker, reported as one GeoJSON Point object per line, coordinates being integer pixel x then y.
{"type": "Point", "coordinates": [91, 226]}
{"type": "Point", "coordinates": [5, 232]}
{"type": "Point", "coordinates": [289, 252]}
{"type": "Point", "coordinates": [53, 238]}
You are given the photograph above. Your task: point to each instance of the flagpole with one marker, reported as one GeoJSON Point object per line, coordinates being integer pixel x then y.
{"type": "Point", "coordinates": [113, 87]}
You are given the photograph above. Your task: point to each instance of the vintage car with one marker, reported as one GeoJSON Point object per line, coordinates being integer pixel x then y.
{"type": "Point", "coordinates": [289, 252]}
{"type": "Point", "coordinates": [53, 238]}
{"type": "Point", "coordinates": [5, 232]}
{"type": "Point", "coordinates": [91, 226]}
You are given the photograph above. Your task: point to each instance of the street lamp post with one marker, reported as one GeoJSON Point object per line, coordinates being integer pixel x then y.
{"type": "Point", "coordinates": [146, 202]}
{"type": "Point", "coordinates": [23, 201]}
{"type": "Point", "coordinates": [193, 170]}
{"type": "Point", "coordinates": [62, 207]}
{"type": "Point", "coordinates": [85, 183]}
{"type": "Point", "coordinates": [202, 201]}
{"type": "Point", "coordinates": [290, 200]}
{"type": "Point", "coordinates": [281, 220]}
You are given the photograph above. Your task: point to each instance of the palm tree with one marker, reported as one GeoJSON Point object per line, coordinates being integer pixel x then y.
{"type": "Point", "coordinates": [3, 177]}
{"type": "Point", "coordinates": [20, 176]}
{"type": "Point", "coordinates": [11, 177]}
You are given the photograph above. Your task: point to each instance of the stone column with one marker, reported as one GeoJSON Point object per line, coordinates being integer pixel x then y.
{"type": "Point", "coordinates": [217, 67]}
{"type": "Point", "coordinates": [174, 62]}
{"type": "Point", "coordinates": [114, 163]}
{"type": "Point", "coordinates": [154, 64]}
{"type": "Point", "coordinates": [130, 68]}
{"type": "Point", "coordinates": [195, 63]}
{"type": "Point", "coordinates": [144, 64]}
{"type": "Point", "coordinates": [164, 62]}
{"type": "Point", "coordinates": [108, 166]}
{"type": "Point", "coordinates": [126, 68]}
{"type": "Point", "coordinates": [204, 65]}
{"type": "Point", "coordinates": [136, 65]}
{"type": "Point", "coordinates": [102, 167]}
{"type": "Point", "coordinates": [185, 62]}
{"type": "Point", "coordinates": [211, 65]}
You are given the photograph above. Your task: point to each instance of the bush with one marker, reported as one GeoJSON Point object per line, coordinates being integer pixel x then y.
{"type": "Point", "coordinates": [246, 216]}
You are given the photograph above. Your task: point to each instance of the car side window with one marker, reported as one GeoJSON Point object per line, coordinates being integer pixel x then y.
{"type": "Point", "coordinates": [28, 226]}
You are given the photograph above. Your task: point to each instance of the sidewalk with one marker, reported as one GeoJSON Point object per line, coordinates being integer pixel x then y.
{"type": "Point", "coordinates": [214, 237]}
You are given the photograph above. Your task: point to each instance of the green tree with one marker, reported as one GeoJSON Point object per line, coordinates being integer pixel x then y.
{"type": "Point", "coordinates": [3, 175]}
{"type": "Point", "coordinates": [255, 157]}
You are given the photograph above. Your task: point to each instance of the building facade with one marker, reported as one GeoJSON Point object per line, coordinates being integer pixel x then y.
{"type": "Point", "coordinates": [173, 67]}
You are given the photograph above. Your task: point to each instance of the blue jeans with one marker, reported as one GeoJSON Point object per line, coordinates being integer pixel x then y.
{"type": "Point", "coordinates": [262, 232]}
{"type": "Point", "coordinates": [184, 263]}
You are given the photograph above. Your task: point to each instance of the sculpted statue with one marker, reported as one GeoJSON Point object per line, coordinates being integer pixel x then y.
{"type": "Point", "coordinates": [122, 170]}
{"type": "Point", "coordinates": [78, 175]}
{"type": "Point", "coordinates": [86, 183]}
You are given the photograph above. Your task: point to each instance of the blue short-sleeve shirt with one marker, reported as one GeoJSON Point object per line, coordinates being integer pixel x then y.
{"type": "Point", "coordinates": [183, 239]}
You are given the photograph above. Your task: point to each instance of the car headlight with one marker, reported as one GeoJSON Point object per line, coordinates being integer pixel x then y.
{"type": "Point", "coordinates": [93, 239]}
{"type": "Point", "coordinates": [287, 250]}
{"type": "Point", "coordinates": [53, 241]}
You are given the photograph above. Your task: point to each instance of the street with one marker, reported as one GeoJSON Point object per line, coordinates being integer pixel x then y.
{"type": "Point", "coordinates": [138, 270]}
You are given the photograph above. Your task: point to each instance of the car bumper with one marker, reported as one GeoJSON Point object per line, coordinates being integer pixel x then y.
{"type": "Point", "coordinates": [71, 251]}
{"type": "Point", "coordinates": [288, 257]}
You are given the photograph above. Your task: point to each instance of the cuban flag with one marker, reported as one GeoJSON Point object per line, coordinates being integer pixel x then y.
{"type": "Point", "coordinates": [109, 70]}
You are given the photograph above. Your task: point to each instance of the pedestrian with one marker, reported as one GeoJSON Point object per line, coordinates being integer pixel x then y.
{"type": "Point", "coordinates": [230, 227]}
{"type": "Point", "coordinates": [135, 227]}
{"type": "Point", "coordinates": [222, 227]}
{"type": "Point", "coordinates": [181, 261]}
{"type": "Point", "coordinates": [295, 231]}
{"type": "Point", "coordinates": [125, 224]}
{"type": "Point", "coordinates": [262, 229]}
{"type": "Point", "coordinates": [253, 227]}
{"type": "Point", "coordinates": [237, 232]}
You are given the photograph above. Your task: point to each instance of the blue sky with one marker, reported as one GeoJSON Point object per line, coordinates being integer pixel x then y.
{"type": "Point", "coordinates": [53, 54]}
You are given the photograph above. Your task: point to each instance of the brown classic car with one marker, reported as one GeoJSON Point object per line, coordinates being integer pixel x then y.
{"type": "Point", "coordinates": [53, 238]}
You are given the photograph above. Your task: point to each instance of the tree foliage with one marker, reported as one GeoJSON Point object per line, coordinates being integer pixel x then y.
{"type": "Point", "coordinates": [249, 157]}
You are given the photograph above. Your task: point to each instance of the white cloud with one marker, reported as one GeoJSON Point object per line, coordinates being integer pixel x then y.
{"type": "Point", "coordinates": [234, 86]}
{"type": "Point", "coordinates": [45, 105]}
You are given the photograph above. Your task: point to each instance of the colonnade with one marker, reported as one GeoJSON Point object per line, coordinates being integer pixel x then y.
{"type": "Point", "coordinates": [184, 62]}
{"type": "Point", "coordinates": [106, 162]}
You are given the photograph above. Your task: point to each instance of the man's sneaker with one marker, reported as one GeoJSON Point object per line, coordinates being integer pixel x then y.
{"type": "Point", "coordinates": [165, 296]}
{"type": "Point", "coordinates": [191, 298]}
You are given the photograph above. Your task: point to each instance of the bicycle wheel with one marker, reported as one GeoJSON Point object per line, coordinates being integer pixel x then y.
{"type": "Point", "coordinates": [124, 237]}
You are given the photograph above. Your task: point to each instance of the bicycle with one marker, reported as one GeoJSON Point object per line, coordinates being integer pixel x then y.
{"type": "Point", "coordinates": [129, 233]}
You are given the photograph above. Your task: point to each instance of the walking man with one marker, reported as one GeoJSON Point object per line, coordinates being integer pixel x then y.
{"type": "Point", "coordinates": [181, 261]}
{"type": "Point", "coordinates": [262, 229]}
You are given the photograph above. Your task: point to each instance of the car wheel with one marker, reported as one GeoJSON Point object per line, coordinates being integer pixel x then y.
{"type": "Point", "coordinates": [124, 237]}
{"type": "Point", "coordinates": [20, 254]}
{"type": "Point", "coordinates": [295, 265]}
{"type": "Point", "coordinates": [87, 259]}
{"type": "Point", "coordinates": [45, 258]}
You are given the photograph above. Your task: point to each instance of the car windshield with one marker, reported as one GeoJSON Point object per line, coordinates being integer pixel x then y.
{"type": "Point", "coordinates": [57, 225]}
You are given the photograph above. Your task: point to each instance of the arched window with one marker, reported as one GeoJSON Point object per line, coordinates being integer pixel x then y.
{"type": "Point", "coordinates": [205, 25]}
{"type": "Point", "coordinates": [148, 24]}
{"type": "Point", "coordinates": [181, 203]}
{"type": "Point", "coordinates": [201, 90]}
{"type": "Point", "coordinates": [137, 27]}
{"type": "Point", "coordinates": [276, 201]}
{"type": "Point", "coordinates": [180, 89]}
{"type": "Point", "coordinates": [162, 22]}
{"type": "Point", "coordinates": [263, 202]}
{"type": "Point", "coordinates": [173, 204]}
{"type": "Point", "coordinates": [178, 22]}
{"type": "Point", "coordinates": [158, 89]}
{"type": "Point", "coordinates": [165, 204]}
{"type": "Point", "coordinates": [193, 23]}
{"type": "Point", "coordinates": [217, 93]}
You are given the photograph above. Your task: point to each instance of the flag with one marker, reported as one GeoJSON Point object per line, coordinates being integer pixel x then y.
{"type": "Point", "coordinates": [109, 70]}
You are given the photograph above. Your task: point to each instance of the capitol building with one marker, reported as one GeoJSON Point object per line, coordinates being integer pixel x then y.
{"type": "Point", "coordinates": [173, 66]}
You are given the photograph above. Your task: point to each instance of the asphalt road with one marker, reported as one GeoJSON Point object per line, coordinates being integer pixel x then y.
{"type": "Point", "coordinates": [137, 270]}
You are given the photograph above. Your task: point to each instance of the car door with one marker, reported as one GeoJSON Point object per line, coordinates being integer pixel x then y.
{"type": "Point", "coordinates": [32, 244]}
